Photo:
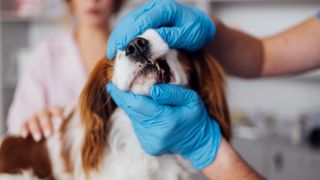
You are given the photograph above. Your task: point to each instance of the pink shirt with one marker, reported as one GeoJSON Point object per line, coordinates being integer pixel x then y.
{"type": "Point", "coordinates": [55, 76]}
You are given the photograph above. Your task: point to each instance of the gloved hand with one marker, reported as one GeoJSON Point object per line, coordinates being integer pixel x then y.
{"type": "Point", "coordinates": [181, 26]}
{"type": "Point", "coordinates": [174, 120]}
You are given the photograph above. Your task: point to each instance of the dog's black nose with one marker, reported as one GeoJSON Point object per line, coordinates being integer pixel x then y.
{"type": "Point", "coordinates": [138, 47]}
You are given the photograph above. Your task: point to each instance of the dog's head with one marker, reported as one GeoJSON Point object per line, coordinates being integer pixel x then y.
{"type": "Point", "coordinates": [147, 61]}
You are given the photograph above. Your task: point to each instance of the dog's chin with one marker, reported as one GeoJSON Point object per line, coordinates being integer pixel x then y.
{"type": "Point", "coordinates": [142, 84]}
{"type": "Point", "coordinates": [158, 72]}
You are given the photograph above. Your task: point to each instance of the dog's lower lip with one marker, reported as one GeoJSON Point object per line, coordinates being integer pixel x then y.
{"type": "Point", "coordinates": [159, 66]}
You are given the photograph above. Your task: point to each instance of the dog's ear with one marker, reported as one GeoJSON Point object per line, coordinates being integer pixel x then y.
{"type": "Point", "coordinates": [96, 106]}
{"type": "Point", "coordinates": [206, 77]}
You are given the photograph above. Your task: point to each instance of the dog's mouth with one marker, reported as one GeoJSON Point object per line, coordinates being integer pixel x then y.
{"type": "Point", "coordinates": [165, 74]}
{"type": "Point", "coordinates": [159, 70]}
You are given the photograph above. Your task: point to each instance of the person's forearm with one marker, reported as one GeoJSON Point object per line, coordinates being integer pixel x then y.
{"type": "Point", "coordinates": [240, 54]}
{"type": "Point", "coordinates": [291, 52]}
{"type": "Point", "coordinates": [229, 166]}
{"type": "Point", "coordinates": [294, 51]}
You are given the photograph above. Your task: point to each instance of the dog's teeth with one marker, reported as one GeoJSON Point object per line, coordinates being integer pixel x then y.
{"type": "Point", "coordinates": [158, 67]}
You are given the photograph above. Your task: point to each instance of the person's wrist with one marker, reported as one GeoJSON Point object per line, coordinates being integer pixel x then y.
{"type": "Point", "coordinates": [206, 144]}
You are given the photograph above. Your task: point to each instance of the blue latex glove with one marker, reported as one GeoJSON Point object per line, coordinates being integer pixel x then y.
{"type": "Point", "coordinates": [318, 15]}
{"type": "Point", "coordinates": [174, 120]}
{"type": "Point", "coordinates": [181, 26]}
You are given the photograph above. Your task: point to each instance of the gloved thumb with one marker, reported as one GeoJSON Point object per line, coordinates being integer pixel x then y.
{"type": "Point", "coordinates": [171, 94]}
{"type": "Point", "coordinates": [170, 35]}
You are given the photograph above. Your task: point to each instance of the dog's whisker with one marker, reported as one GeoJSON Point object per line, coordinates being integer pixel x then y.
{"type": "Point", "coordinates": [107, 100]}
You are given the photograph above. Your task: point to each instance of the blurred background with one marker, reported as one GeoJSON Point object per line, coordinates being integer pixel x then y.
{"type": "Point", "coordinates": [276, 121]}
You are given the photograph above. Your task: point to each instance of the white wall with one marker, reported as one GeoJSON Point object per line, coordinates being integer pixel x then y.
{"type": "Point", "coordinates": [1, 79]}
{"type": "Point", "coordinates": [287, 97]}
{"type": "Point", "coordinates": [263, 18]}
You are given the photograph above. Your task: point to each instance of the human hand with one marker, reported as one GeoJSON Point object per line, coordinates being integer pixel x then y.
{"type": "Point", "coordinates": [43, 123]}
{"type": "Point", "coordinates": [174, 120]}
{"type": "Point", "coordinates": [180, 25]}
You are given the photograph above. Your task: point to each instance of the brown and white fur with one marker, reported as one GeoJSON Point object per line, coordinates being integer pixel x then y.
{"type": "Point", "coordinates": [96, 140]}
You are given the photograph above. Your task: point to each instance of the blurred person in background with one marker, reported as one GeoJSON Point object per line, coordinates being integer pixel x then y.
{"type": "Point", "coordinates": [59, 67]}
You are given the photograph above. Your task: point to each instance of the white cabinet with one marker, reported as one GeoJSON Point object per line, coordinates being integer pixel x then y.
{"type": "Point", "coordinates": [279, 160]}
{"type": "Point", "coordinates": [288, 163]}
{"type": "Point", "coordinates": [1, 87]}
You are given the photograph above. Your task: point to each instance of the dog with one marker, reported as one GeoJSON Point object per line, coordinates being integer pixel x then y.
{"type": "Point", "coordinates": [96, 140]}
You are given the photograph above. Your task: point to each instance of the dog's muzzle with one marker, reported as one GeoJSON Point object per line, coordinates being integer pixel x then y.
{"type": "Point", "coordinates": [139, 51]}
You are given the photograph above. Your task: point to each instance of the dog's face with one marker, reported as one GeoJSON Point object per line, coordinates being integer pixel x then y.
{"type": "Point", "coordinates": [147, 61]}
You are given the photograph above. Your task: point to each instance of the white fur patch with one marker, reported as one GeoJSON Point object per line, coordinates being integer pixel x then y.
{"type": "Point", "coordinates": [124, 71]}
{"type": "Point", "coordinates": [158, 47]}
{"type": "Point", "coordinates": [26, 175]}
{"type": "Point", "coordinates": [127, 160]}
{"type": "Point", "coordinates": [72, 139]}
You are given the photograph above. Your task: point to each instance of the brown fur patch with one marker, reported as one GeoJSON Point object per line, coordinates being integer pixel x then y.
{"type": "Point", "coordinates": [96, 106]}
{"type": "Point", "coordinates": [66, 146]}
{"type": "Point", "coordinates": [206, 77]}
{"type": "Point", "coordinates": [18, 154]}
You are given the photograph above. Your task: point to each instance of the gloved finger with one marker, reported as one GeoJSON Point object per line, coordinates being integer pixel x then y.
{"type": "Point", "coordinates": [121, 98]}
{"type": "Point", "coordinates": [157, 15]}
{"type": "Point", "coordinates": [111, 46]}
{"type": "Point", "coordinates": [122, 35]}
{"type": "Point", "coordinates": [171, 94]}
{"type": "Point", "coordinates": [133, 104]}
{"type": "Point", "coordinates": [153, 15]}
{"type": "Point", "coordinates": [170, 35]}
